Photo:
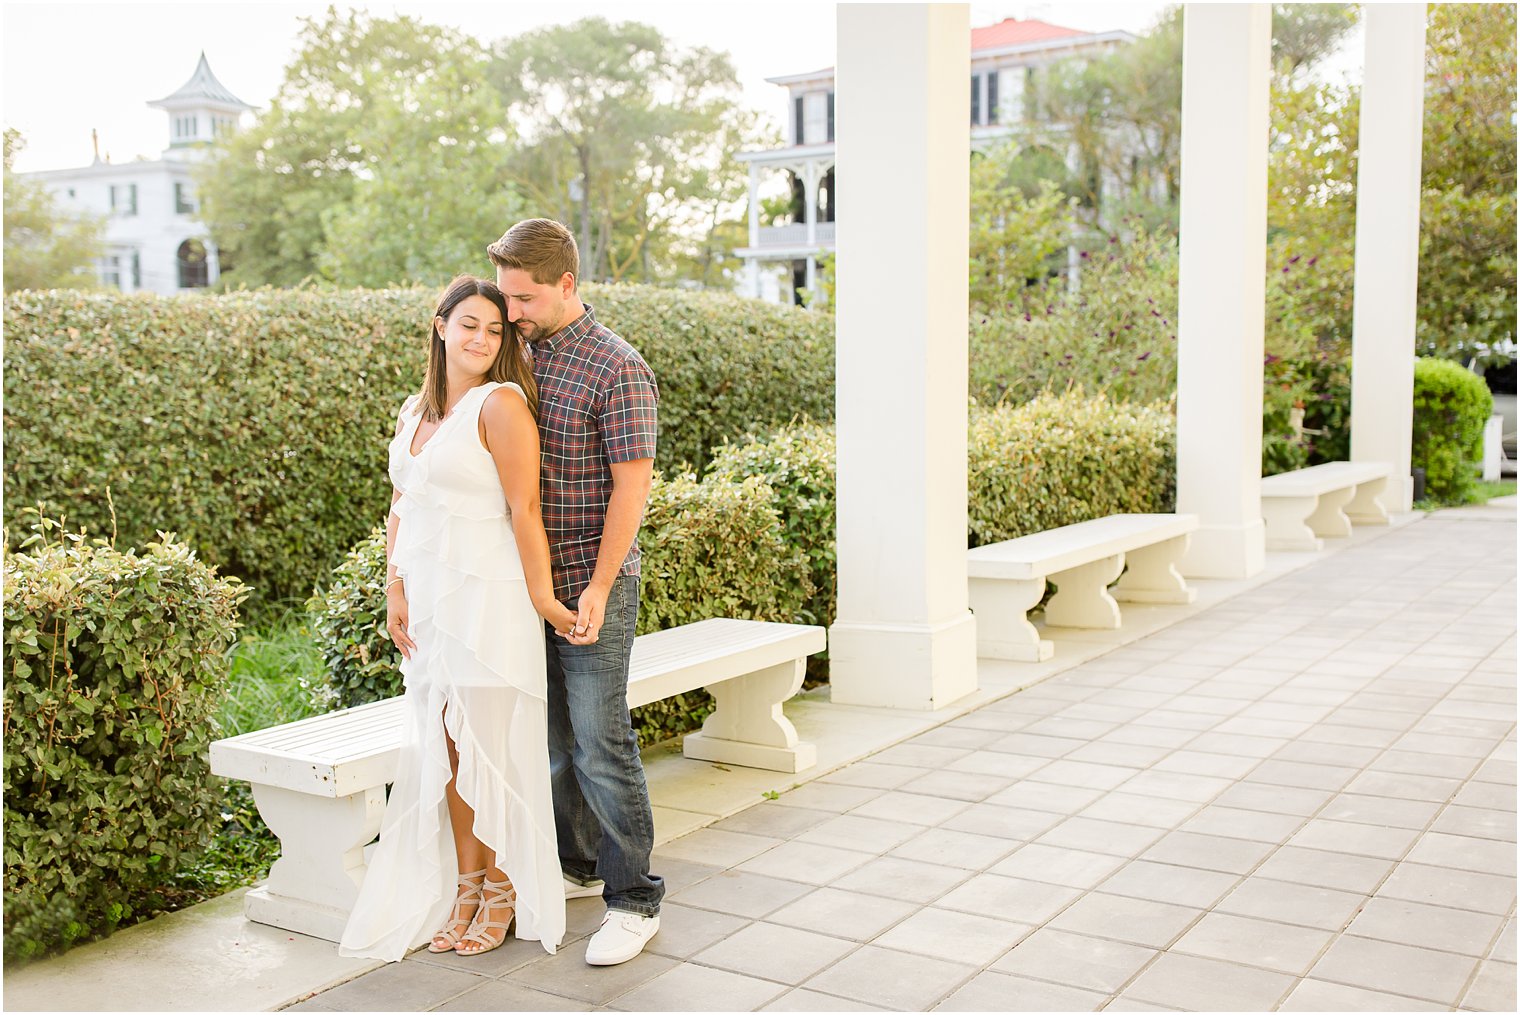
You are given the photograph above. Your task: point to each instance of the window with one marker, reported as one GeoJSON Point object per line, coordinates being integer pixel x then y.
{"type": "Point", "coordinates": [797, 120]}
{"type": "Point", "coordinates": [71, 191]}
{"type": "Point", "coordinates": [193, 270]}
{"type": "Point", "coordinates": [124, 199]}
{"type": "Point", "coordinates": [976, 99]}
{"type": "Point", "coordinates": [816, 118]}
{"type": "Point", "coordinates": [831, 116]}
{"type": "Point", "coordinates": [992, 97]}
{"type": "Point", "coordinates": [136, 270]}
{"type": "Point", "coordinates": [110, 271]}
{"type": "Point", "coordinates": [182, 203]}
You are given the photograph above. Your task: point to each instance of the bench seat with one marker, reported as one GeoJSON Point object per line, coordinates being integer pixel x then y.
{"type": "Point", "coordinates": [1006, 580]}
{"type": "Point", "coordinates": [319, 782]}
{"type": "Point", "coordinates": [1302, 507]}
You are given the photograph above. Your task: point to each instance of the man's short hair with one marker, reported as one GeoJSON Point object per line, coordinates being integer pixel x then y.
{"type": "Point", "coordinates": [543, 248]}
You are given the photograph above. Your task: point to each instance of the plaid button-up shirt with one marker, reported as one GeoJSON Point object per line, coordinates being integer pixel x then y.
{"type": "Point", "coordinates": [597, 402]}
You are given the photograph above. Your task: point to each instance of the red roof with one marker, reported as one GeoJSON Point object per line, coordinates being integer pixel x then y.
{"type": "Point", "coordinates": [1013, 32]}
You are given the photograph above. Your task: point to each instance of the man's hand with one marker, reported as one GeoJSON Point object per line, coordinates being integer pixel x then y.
{"type": "Point", "coordinates": [590, 612]}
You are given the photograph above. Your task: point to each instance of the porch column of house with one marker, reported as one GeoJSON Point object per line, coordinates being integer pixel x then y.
{"type": "Point", "coordinates": [904, 636]}
{"type": "Point", "coordinates": [810, 178]}
{"type": "Point", "coordinates": [752, 263]}
{"type": "Point", "coordinates": [1226, 67]}
{"type": "Point", "coordinates": [1388, 243]}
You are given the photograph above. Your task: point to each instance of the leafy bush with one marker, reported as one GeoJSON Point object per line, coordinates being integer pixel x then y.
{"type": "Point", "coordinates": [254, 424]}
{"type": "Point", "coordinates": [1451, 406]}
{"type": "Point", "coordinates": [1066, 458]}
{"type": "Point", "coordinates": [710, 549]}
{"type": "Point", "coordinates": [116, 665]}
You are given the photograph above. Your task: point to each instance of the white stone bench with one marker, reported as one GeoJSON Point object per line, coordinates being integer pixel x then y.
{"type": "Point", "coordinates": [1302, 506]}
{"type": "Point", "coordinates": [1007, 579]}
{"type": "Point", "coordinates": [319, 783]}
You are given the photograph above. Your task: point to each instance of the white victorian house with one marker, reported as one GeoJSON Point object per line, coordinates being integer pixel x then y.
{"type": "Point", "coordinates": [154, 243]}
{"type": "Point", "coordinates": [1008, 61]}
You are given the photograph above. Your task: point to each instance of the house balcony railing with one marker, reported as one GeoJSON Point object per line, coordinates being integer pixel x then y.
{"type": "Point", "coordinates": [795, 235]}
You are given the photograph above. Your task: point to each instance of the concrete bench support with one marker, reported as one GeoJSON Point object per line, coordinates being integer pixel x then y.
{"type": "Point", "coordinates": [1304, 507]}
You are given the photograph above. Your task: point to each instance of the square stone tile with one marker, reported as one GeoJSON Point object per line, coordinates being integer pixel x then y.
{"type": "Point", "coordinates": [892, 979]}
{"type": "Point", "coordinates": [773, 952]}
{"type": "Point", "coordinates": [910, 808]}
{"type": "Point", "coordinates": [956, 785]}
{"type": "Point", "coordinates": [1404, 787]}
{"type": "Point", "coordinates": [1002, 822]}
{"type": "Point", "coordinates": [1318, 995]}
{"type": "Point", "coordinates": [1300, 775]}
{"type": "Point", "coordinates": [1008, 766]}
{"type": "Point", "coordinates": [919, 755]}
{"type": "Point", "coordinates": [1209, 852]}
{"type": "Point", "coordinates": [851, 915]}
{"type": "Point", "coordinates": [1134, 756]}
{"type": "Point", "coordinates": [1414, 923]}
{"type": "Point", "coordinates": [899, 878]}
{"type": "Point", "coordinates": [990, 991]}
{"type": "Point", "coordinates": [1354, 837]}
{"type": "Point", "coordinates": [1420, 763]}
{"type": "Point", "coordinates": [499, 961]}
{"type": "Point", "coordinates": [772, 820]}
{"type": "Point", "coordinates": [805, 861]}
{"type": "Point", "coordinates": [1485, 794]}
{"type": "Point", "coordinates": [1477, 822]}
{"type": "Point", "coordinates": [1087, 962]}
{"type": "Point", "coordinates": [1199, 984]}
{"type": "Point", "coordinates": [1198, 789]}
{"type": "Point", "coordinates": [1131, 808]}
{"type": "Point", "coordinates": [1304, 905]}
{"type": "Point", "coordinates": [401, 986]}
{"type": "Point", "coordinates": [1058, 866]}
{"type": "Point", "coordinates": [1006, 898]}
{"type": "Point", "coordinates": [690, 987]}
{"type": "Point", "coordinates": [1252, 942]}
{"type": "Point", "coordinates": [1443, 886]}
{"type": "Point", "coordinates": [1504, 948]}
{"type": "Point", "coordinates": [1035, 746]}
{"type": "Point", "coordinates": [955, 849]}
{"type": "Point", "coordinates": [1084, 774]}
{"type": "Point", "coordinates": [951, 735]}
{"type": "Point", "coordinates": [1135, 921]}
{"type": "Point", "coordinates": [853, 831]}
{"type": "Point", "coordinates": [1077, 729]}
{"type": "Point", "coordinates": [1273, 799]}
{"type": "Point", "coordinates": [684, 930]}
{"type": "Point", "coordinates": [1320, 753]}
{"type": "Point", "coordinates": [803, 1000]}
{"type": "Point", "coordinates": [1323, 869]}
{"type": "Point", "coordinates": [870, 775]}
{"type": "Point", "coordinates": [828, 796]}
{"type": "Point", "coordinates": [1493, 990]}
{"type": "Point", "coordinates": [741, 893]}
{"type": "Point", "coordinates": [954, 937]}
{"type": "Point", "coordinates": [679, 874]}
{"type": "Point", "coordinates": [505, 995]}
{"type": "Point", "coordinates": [1164, 882]}
{"type": "Point", "coordinates": [1096, 836]}
{"type": "Point", "coordinates": [1148, 736]}
{"type": "Point", "coordinates": [1377, 810]}
{"type": "Point", "coordinates": [1395, 968]}
{"type": "Point", "coordinates": [1038, 796]}
{"type": "Point", "coordinates": [717, 848]}
{"type": "Point", "coordinates": [1464, 852]}
{"type": "Point", "coordinates": [566, 973]}
{"type": "Point", "coordinates": [1193, 762]}
{"type": "Point", "coordinates": [1235, 823]}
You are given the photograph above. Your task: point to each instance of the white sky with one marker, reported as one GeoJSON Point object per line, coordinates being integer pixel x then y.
{"type": "Point", "coordinates": [70, 67]}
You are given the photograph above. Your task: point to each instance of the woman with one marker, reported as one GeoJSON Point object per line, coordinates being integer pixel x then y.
{"type": "Point", "coordinates": [468, 580]}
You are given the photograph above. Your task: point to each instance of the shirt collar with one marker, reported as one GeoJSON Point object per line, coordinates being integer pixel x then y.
{"type": "Point", "coordinates": [572, 332]}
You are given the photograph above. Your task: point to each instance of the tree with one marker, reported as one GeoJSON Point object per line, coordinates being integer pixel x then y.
{"type": "Point", "coordinates": [44, 247]}
{"type": "Point", "coordinates": [381, 161]}
{"type": "Point", "coordinates": [625, 137]}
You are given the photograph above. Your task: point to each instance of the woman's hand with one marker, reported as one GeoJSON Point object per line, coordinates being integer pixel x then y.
{"type": "Point", "coordinates": [396, 619]}
{"type": "Point", "coordinates": [559, 617]}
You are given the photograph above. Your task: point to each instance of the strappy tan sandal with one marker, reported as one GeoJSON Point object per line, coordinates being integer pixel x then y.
{"type": "Point", "coordinates": [453, 933]}
{"type": "Point", "coordinates": [492, 894]}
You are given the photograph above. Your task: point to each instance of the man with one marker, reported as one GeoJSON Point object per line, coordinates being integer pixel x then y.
{"type": "Point", "coordinates": [597, 423]}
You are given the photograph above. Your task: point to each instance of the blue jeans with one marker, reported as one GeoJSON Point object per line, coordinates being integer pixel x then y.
{"type": "Point", "coordinates": [601, 802]}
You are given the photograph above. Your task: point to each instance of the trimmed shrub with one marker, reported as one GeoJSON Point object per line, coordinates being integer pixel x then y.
{"type": "Point", "coordinates": [1451, 406]}
{"type": "Point", "coordinates": [1066, 458]}
{"type": "Point", "coordinates": [710, 549]}
{"type": "Point", "coordinates": [254, 424]}
{"type": "Point", "coordinates": [116, 664]}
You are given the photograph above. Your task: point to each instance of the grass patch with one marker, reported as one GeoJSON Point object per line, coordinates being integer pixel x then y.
{"type": "Point", "coordinates": [1481, 492]}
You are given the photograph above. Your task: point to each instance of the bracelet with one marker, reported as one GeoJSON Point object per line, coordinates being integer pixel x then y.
{"type": "Point", "coordinates": [392, 582]}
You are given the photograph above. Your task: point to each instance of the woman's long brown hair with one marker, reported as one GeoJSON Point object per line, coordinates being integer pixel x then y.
{"type": "Point", "coordinates": [514, 360]}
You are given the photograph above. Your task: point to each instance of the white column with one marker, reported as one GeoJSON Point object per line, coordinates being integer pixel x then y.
{"type": "Point", "coordinates": [904, 636]}
{"type": "Point", "coordinates": [1226, 71]}
{"type": "Point", "coordinates": [810, 199]}
{"type": "Point", "coordinates": [1388, 243]}
{"type": "Point", "coordinates": [754, 206]}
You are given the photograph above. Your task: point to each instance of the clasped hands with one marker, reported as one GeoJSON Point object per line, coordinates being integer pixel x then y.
{"type": "Point", "coordinates": [584, 625]}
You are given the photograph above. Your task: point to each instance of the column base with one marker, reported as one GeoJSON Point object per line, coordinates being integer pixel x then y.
{"type": "Point", "coordinates": [1226, 551]}
{"type": "Point", "coordinates": [698, 747]}
{"type": "Point", "coordinates": [917, 666]}
{"type": "Point", "coordinates": [300, 915]}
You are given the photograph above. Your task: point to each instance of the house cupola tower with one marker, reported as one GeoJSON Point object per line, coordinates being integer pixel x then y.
{"type": "Point", "coordinates": [199, 112]}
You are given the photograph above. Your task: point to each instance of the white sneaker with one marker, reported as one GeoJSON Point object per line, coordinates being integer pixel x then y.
{"type": "Point", "coordinates": [621, 937]}
{"type": "Point", "coordinates": [590, 890]}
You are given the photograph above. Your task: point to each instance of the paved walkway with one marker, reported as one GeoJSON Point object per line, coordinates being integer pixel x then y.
{"type": "Point", "coordinates": [1302, 799]}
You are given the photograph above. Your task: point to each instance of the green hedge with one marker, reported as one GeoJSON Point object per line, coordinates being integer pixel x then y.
{"type": "Point", "coordinates": [254, 424]}
{"type": "Point", "coordinates": [710, 549]}
{"type": "Point", "coordinates": [1451, 406]}
{"type": "Point", "coordinates": [116, 664]}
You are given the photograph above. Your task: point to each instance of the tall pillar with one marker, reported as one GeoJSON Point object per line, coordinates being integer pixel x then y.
{"type": "Point", "coordinates": [904, 636]}
{"type": "Point", "coordinates": [1226, 74]}
{"type": "Point", "coordinates": [754, 206]}
{"type": "Point", "coordinates": [1388, 243]}
{"type": "Point", "coordinates": [810, 200]}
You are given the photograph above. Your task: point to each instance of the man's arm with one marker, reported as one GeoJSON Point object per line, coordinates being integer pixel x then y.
{"type": "Point", "coordinates": [625, 509]}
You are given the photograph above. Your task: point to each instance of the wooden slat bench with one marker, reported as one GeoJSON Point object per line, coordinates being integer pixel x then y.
{"type": "Point", "coordinates": [1302, 506]}
{"type": "Point", "coordinates": [320, 782]}
{"type": "Point", "coordinates": [1007, 579]}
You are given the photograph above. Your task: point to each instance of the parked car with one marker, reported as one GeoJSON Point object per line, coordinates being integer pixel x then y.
{"type": "Point", "coordinates": [1501, 381]}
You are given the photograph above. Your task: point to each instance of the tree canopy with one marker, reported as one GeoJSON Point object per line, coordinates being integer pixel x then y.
{"type": "Point", "coordinates": [45, 248]}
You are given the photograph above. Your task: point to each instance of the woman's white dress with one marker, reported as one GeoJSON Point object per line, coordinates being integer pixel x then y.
{"type": "Point", "coordinates": [478, 670]}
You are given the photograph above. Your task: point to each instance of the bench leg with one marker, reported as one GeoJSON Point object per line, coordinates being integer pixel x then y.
{"type": "Point", "coordinates": [1152, 576]}
{"type": "Point", "coordinates": [1082, 598]}
{"type": "Point", "coordinates": [314, 883]}
{"type": "Point", "coordinates": [1003, 630]}
{"type": "Point", "coordinates": [1284, 518]}
{"type": "Point", "coordinates": [1328, 519]}
{"type": "Point", "coordinates": [1366, 507]}
{"type": "Point", "coordinates": [748, 726]}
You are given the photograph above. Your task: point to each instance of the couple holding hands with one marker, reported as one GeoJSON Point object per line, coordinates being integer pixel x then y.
{"type": "Point", "coordinates": [520, 472]}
